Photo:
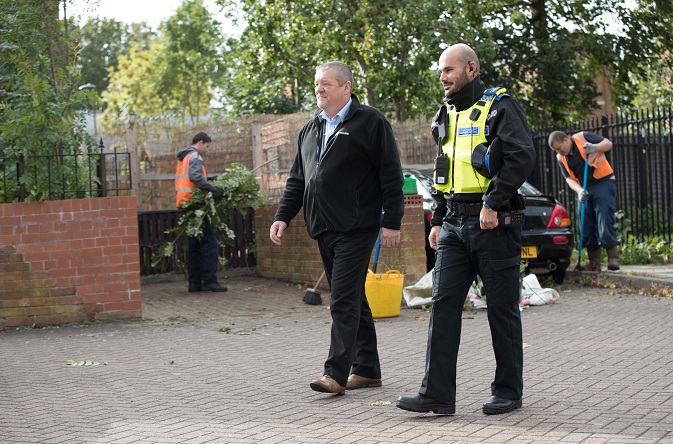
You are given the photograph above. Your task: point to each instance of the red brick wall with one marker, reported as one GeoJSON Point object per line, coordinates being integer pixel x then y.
{"type": "Point", "coordinates": [69, 261]}
{"type": "Point", "coordinates": [298, 259]}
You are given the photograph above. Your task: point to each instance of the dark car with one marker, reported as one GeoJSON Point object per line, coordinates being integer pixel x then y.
{"type": "Point", "coordinates": [546, 238]}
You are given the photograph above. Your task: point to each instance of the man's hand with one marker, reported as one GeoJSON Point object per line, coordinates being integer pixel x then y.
{"type": "Point", "coordinates": [390, 238]}
{"type": "Point", "coordinates": [276, 231]}
{"type": "Point", "coordinates": [488, 219]}
{"type": "Point", "coordinates": [217, 193]}
{"type": "Point", "coordinates": [434, 235]}
{"type": "Point", "coordinates": [583, 195]}
{"type": "Point", "coordinates": [590, 148]}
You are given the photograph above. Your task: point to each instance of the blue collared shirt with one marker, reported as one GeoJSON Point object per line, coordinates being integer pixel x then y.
{"type": "Point", "coordinates": [331, 124]}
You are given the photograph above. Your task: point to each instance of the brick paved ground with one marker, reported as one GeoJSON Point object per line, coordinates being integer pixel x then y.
{"type": "Point", "coordinates": [598, 369]}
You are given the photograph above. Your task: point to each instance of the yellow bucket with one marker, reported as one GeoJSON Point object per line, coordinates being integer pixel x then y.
{"type": "Point", "coordinates": [384, 293]}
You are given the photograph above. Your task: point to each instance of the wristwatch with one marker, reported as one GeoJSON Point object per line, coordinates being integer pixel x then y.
{"type": "Point", "coordinates": [487, 207]}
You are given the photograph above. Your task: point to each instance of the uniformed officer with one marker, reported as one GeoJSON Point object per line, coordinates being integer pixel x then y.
{"type": "Point", "coordinates": [468, 236]}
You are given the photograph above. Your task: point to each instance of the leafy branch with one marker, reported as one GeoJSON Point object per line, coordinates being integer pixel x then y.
{"type": "Point", "coordinates": [240, 190]}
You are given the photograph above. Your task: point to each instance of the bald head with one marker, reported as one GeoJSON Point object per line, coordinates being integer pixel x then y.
{"type": "Point", "coordinates": [458, 66]}
{"type": "Point", "coordinates": [462, 54]}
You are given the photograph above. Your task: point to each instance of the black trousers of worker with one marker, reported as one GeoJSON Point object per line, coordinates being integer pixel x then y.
{"type": "Point", "coordinates": [463, 251]}
{"type": "Point", "coordinates": [345, 257]}
{"type": "Point", "coordinates": [202, 256]}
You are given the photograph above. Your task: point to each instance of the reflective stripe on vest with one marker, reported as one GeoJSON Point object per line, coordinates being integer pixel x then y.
{"type": "Point", "coordinates": [183, 186]}
{"type": "Point", "coordinates": [597, 160]}
{"type": "Point", "coordinates": [463, 134]}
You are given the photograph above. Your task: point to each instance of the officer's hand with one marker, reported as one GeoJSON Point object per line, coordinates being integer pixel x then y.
{"type": "Point", "coordinates": [583, 195]}
{"type": "Point", "coordinates": [434, 235]}
{"type": "Point", "coordinates": [488, 219]}
{"type": "Point", "coordinates": [590, 148]}
{"type": "Point", "coordinates": [217, 193]}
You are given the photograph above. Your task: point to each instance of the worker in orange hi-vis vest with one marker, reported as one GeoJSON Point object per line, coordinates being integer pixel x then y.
{"type": "Point", "coordinates": [202, 253]}
{"type": "Point", "coordinates": [598, 194]}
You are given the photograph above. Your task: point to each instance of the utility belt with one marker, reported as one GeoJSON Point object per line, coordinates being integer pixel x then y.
{"type": "Point", "coordinates": [464, 208]}
{"type": "Point", "coordinates": [510, 214]}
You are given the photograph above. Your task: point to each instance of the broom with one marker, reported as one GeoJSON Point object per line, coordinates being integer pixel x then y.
{"type": "Point", "coordinates": [312, 297]}
{"type": "Point", "coordinates": [582, 209]}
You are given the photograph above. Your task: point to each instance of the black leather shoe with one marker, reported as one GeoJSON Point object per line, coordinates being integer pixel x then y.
{"type": "Point", "coordinates": [194, 287]}
{"type": "Point", "coordinates": [213, 286]}
{"type": "Point", "coordinates": [424, 404]}
{"type": "Point", "coordinates": [497, 405]}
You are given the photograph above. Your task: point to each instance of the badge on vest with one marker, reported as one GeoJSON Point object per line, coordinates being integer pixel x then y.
{"type": "Point", "coordinates": [468, 131]}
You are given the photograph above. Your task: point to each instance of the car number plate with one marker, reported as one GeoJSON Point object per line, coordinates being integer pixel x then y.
{"type": "Point", "coordinates": [528, 252]}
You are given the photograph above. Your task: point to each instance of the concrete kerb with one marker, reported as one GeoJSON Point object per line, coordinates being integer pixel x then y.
{"type": "Point", "coordinates": [642, 277]}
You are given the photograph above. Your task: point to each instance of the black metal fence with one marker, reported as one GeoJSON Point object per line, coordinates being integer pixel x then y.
{"type": "Point", "coordinates": [642, 158]}
{"type": "Point", "coordinates": [152, 233]}
{"type": "Point", "coordinates": [65, 175]}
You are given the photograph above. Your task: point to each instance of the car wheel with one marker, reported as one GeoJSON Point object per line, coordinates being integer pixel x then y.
{"type": "Point", "coordinates": [559, 275]}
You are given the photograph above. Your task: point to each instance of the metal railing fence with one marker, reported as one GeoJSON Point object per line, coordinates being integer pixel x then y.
{"type": "Point", "coordinates": [642, 158]}
{"type": "Point", "coordinates": [65, 175]}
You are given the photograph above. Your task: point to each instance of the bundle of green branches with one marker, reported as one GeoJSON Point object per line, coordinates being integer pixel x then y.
{"type": "Point", "coordinates": [240, 190]}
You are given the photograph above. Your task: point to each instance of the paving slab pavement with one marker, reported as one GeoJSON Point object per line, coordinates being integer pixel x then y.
{"type": "Point", "coordinates": [598, 369]}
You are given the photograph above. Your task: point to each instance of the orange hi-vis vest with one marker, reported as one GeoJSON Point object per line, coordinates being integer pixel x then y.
{"type": "Point", "coordinates": [597, 160]}
{"type": "Point", "coordinates": [183, 186]}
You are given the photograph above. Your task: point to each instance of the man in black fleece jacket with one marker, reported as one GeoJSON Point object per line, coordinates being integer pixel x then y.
{"type": "Point", "coordinates": [346, 171]}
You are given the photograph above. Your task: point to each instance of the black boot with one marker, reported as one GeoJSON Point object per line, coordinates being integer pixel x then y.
{"type": "Point", "coordinates": [194, 287]}
{"type": "Point", "coordinates": [423, 404]}
{"type": "Point", "coordinates": [214, 286]}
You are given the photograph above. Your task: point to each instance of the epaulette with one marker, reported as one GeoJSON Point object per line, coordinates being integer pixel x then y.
{"type": "Point", "coordinates": [496, 93]}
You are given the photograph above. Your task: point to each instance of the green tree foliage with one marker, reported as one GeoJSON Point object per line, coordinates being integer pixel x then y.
{"type": "Point", "coordinates": [39, 100]}
{"type": "Point", "coordinates": [176, 75]}
{"type": "Point", "coordinates": [132, 88]}
{"type": "Point", "coordinates": [190, 62]}
{"type": "Point", "coordinates": [391, 47]}
{"type": "Point", "coordinates": [546, 52]}
{"type": "Point", "coordinates": [103, 41]}
{"type": "Point", "coordinates": [645, 56]}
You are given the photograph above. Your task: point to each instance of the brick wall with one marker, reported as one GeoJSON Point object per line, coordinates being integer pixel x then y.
{"type": "Point", "coordinates": [298, 259]}
{"type": "Point", "coordinates": [232, 142]}
{"type": "Point", "coordinates": [157, 193]}
{"type": "Point", "coordinates": [69, 261]}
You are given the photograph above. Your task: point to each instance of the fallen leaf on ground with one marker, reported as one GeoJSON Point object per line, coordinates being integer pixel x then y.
{"type": "Point", "coordinates": [380, 403]}
{"type": "Point", "coordinates": [84, 363]}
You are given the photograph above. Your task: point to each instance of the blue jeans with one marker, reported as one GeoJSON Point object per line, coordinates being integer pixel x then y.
{"type": "Point", "coordinates": [599, 216]}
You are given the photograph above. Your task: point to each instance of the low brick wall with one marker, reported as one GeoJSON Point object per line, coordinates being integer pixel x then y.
{"type": "Point", "coordinates": [298, 259]}
{"type": "Point", "coordinates": [69, 261]}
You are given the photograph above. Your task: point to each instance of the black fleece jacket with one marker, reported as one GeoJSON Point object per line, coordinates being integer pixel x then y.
{"type": "Point", "coordinates": [507, 121]}
{"type": "Point", "coordinates": [358, 176]}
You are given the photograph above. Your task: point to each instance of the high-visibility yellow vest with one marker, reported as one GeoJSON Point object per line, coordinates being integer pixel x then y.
{"type": "Point", "coordinates": [183, 186]}
{"type": "Point", "coordinates": [467, 129]}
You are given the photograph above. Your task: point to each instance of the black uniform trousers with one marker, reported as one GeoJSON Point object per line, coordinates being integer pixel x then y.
{"type": "Point", "coordinates": [345, 257]}
{"type": "Point", "coordinates": [463, 251]}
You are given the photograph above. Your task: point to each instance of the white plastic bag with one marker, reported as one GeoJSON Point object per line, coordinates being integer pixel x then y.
{"type": "Point", "coordinates": [534, 294]}
{"type": "Point", "coordinates": [420, 294]}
